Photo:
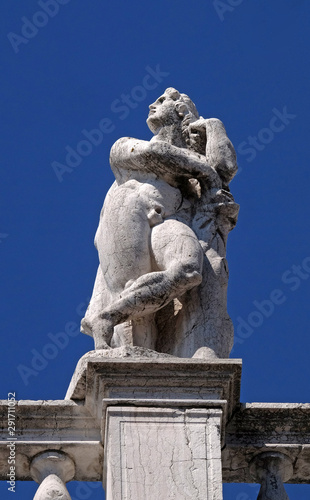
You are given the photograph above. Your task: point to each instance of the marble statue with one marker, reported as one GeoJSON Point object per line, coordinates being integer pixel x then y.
{"type": "Point", "coordinates": [162, 278]}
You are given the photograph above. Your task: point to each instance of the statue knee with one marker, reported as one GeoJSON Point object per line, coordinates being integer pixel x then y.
{"type": "Point", "coordinates": [194, 278]}
{"type": "Point", "coordinates": [189, 275]}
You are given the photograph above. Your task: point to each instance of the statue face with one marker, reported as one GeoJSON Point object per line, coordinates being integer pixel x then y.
{"type": "Point", "coordinates": [162, 113]}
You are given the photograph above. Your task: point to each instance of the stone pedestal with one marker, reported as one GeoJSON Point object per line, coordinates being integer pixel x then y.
{"type": "Point", "coordinates": [161, 453]}
{"type": "Point", "coordinates": [152, 426]}
{"type": "Point", "coordinates": [162, 422]}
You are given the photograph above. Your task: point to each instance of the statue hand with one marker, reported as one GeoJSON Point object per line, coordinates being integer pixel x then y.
{"type": "Point", "coordinates": [198, 136]}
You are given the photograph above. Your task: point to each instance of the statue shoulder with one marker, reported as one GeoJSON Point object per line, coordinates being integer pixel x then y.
{"type": "Point", "coordinates": [128, 153]}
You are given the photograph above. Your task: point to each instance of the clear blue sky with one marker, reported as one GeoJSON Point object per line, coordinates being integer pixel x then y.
{"type": "Point", "coordinates": [247, 65]}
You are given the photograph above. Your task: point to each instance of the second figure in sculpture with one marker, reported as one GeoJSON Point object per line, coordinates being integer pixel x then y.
{"type": "Point", "coordinates": [162, 279]}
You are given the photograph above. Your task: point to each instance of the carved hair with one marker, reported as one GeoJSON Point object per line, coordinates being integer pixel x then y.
{"type": "Point", "coordinates": [190, 113]}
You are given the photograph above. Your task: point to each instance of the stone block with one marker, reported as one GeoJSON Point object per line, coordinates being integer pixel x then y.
{"type": "Point", "coordinates": [163, 453]}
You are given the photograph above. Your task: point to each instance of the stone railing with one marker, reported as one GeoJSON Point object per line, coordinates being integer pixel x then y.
{"type": "Point", "coordinates": [129, 422]}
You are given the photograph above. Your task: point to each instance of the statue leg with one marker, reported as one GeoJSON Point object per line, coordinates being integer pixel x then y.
{"type": "Point", "coordinates": [177, 257]}
{"type": "Point", "coordinates": [92, 324]}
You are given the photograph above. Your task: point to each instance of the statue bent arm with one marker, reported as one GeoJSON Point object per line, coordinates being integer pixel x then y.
{"type": "Point", "coordinates": [162, 159]}
{"type": "Point", "coordinates": [151, 249]}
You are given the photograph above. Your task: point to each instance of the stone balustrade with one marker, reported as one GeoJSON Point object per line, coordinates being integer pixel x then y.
{"type": "Point", "coordinates": [52, 470]}
{"type": "Point", "coordinates": [271, 469]}
{"type": "Point", "coordinates": [180, 408]}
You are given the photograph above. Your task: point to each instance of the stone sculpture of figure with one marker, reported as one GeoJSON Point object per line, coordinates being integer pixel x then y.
{"type": "Point", "coordinates": [162, 278]}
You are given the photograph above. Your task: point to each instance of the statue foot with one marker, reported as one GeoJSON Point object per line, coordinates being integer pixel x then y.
{"type": "Point", "coordinates": [101, 344]}
{"type": "Point", "coordinates": [102, 332]}
{"type": "Point", "coordinates": [86, 327]}
{"type": "Point", "coordinates": [205, 353]}
{"type": "Point", "coordinates": [101, 329]}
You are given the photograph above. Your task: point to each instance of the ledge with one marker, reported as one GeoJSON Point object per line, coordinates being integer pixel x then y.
{"type": "Point", "coordinates": [51, 425]}
{"type": "Point", "coordinates": [259, 427]}
{"type": "Point", "coordinates": [75, 426]}
{"type": "Point", "coordinates": [97, 378]}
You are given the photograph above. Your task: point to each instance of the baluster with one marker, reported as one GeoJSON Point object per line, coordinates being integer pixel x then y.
{"type": "Point", "coordinates": [52, 470]}
{"type": "Point", "coordinates": [271, 469]}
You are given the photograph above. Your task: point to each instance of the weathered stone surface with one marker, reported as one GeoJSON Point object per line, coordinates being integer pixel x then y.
{"type": "Point", "coordinates": [271, 469]}
{"type": "Point", "coordinates": [267, 427]}
{"type": "Point", "coordinates": [69, 427]}
{"type": "Point", "coordinates": [98, 379]}
{"type": "Point", "coordinates": [52, 469]}
{"type": "Point", "coordinates": [52, 488]}
{"type": "Point", "coordinates": [61, 426]}
{"type": "Point", "coordinates": [163, 453]}
{"type": "Point", "coordinates": [77, 387]}
{"type": "Point", "coordinates": [162, 279]}
{"type": "Point", "coordinates": [77, 428]}
{"type": "Point", "coordinates": [52, 462]}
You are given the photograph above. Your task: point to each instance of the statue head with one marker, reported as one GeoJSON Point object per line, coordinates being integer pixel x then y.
{"type": "Point", "coordinates": [172, 108]}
